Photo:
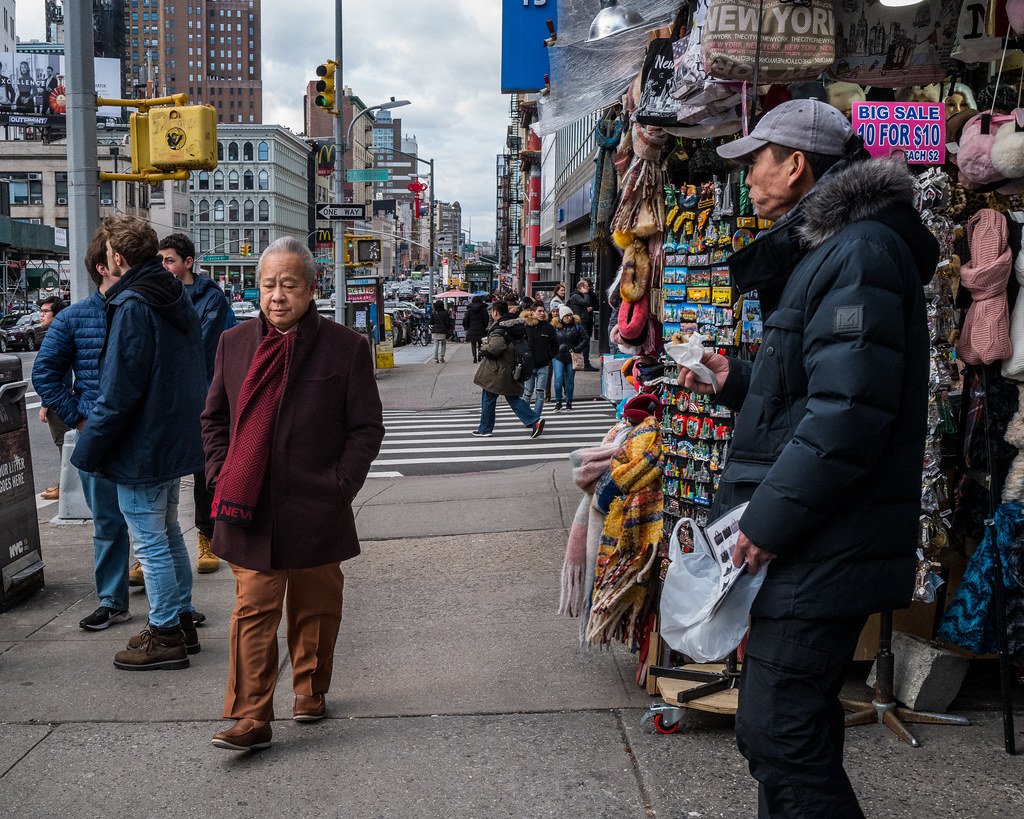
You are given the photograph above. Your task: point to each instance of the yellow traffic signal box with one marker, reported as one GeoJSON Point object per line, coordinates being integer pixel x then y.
{"type": "Point", "coordinates": [325, 86]}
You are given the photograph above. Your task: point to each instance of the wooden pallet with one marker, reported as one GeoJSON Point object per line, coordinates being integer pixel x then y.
{"type": "Point", "coordinates": [721, 702]}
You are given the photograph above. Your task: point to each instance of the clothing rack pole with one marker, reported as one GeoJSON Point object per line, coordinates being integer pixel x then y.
{"type": "Point", "coordinates": [998, 589]}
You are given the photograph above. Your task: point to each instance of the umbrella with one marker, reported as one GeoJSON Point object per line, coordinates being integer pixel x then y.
{"type": "Point", "coordinates": [453, 294]}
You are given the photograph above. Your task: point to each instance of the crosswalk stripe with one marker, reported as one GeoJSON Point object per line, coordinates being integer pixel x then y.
{"type": "Point", "coordinates": [460, 423]}
{"type": "Point", "coordinates": [515, 432]}
{"type": "Point", "coordinates": [540, 456]}
{"type": "Point", "coordinates": [486, 448]}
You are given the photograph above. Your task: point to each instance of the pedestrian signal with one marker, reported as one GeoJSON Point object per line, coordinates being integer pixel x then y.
{"type": "Point", "coordinates": [181, 137]}
{"type": "Point", "coordinates": [325, 86]}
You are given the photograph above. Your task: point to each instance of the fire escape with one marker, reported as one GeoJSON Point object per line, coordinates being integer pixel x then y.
{"type": "Point", "coordinates": [510, 201]}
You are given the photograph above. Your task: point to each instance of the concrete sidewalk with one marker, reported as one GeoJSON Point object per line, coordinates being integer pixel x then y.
{"type": "Point", "coordinates": [457, 693]}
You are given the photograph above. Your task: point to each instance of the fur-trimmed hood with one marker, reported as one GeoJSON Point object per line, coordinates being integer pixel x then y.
{"type": "Point", "coordinates": [854, 190]}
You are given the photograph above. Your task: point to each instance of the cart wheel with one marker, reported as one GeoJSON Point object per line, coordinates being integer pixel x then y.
{"type": "Point", "coordinates": [662, 728]}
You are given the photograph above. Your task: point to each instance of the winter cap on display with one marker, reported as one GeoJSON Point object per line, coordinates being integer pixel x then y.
{"type": "Point", "coordinates": [803, 125]}
{"type": "Point", "coordinates": [564, 311]}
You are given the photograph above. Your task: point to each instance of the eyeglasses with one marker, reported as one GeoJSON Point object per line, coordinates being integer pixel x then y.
{"type": "Point", "coordinates": [46, 312]}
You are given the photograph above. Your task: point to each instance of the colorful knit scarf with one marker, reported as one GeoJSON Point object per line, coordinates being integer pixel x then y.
{"type": "Point", "coordinates": [629, 542]}
{"type": "Point", "coordinates": [241, 478]}
{"type": "Point", "coordinates": [602, 209]}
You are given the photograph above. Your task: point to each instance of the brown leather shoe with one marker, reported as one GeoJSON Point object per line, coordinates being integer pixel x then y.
{"type": "Point", "coordinates": [244, 735]}
{"type": "Point", "coordinates": [309, 709]}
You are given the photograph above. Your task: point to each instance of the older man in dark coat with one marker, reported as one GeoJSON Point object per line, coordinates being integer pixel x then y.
{"type": "Point", "coordinates": [292, 423]}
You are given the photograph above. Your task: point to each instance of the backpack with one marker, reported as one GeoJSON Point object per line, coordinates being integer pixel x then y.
{"type": "Point", "coordinates": [522, 362]}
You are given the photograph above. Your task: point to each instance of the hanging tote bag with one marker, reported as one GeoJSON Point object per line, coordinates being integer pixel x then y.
{"type": "Point", "coordinates": [785, 41]}
{"type": "Point", "coordinates": [577, 361]}
{"type": "Point", "coordinates": [892, 47]}
{"type": "Point", "coordinates": [980, 31]}
{"type": "Point", "coordinates": [656, 104]}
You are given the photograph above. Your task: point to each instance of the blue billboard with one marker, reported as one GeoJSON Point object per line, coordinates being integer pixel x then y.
{"type": "Point", "coordinates": [524, 59]}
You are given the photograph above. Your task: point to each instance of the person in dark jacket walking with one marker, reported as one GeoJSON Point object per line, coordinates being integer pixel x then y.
{"type": "Point", "coordinates": [495, 374]}
{"type": "Point", "coordinates": [143, 431]}
{"type": "Point", "coordinates": [475, 324]}
{"type": "Point", "coordinates": [48, 310]}
{"type": "Point", "coordinates": [543, 346]}
{"type": "Point", "coordinates": [215, 316]}
{"type": "Point", "coordinates": [292, 424]}
{"type": "Point", "coordinates": [581, 303]}
{"type": "Point", "coordinates": [829, 444]}
{"type": "Point", "coordinates": [72, 345]}
{"type": "Point", "coordinates": [441, 324]}
{"type": "Point", "coordinates": [571, 339]}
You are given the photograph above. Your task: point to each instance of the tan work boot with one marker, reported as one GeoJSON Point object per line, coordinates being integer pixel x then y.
{"type": "Point", "coordinates": [208, 561]}
{"type": "Point", "coordinates": [135, 577]}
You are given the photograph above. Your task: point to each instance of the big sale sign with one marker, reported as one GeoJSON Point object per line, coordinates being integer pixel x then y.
{"type": "Point", "coordinates": [915, 129]}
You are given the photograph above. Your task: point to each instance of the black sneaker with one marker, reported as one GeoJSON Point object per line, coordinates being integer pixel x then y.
{"type": "Point", "coordinates": [198, 618]}
{"type": "Point", "coordinates": [558, 406]}
{"type": "Point", "coordinates": [104, 617]}
{"type": "Point", "coordinates": [538, 428]}
{"type": "Point", "coordinates": [480, 434]}
{"type": "Point", "coordinates": [568, 406]}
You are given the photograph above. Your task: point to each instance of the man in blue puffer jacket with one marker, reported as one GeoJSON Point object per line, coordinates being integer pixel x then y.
{"type": "Point", "coordinates": [73, 344]}
{"type": "Point", "coordinates": [215, 316]}
{"type": "Point", "coordinates": [143, 432]}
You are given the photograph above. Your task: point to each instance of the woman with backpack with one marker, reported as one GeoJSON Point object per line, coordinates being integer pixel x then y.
{"type": "Point", "coordinates": [571, 339]}
{"type": "Point", "coordinates": [441, 325]}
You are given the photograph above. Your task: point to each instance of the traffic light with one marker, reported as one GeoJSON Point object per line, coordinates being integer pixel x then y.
{"type": "Point", "coordinates": [325, 86]}
{"type": "Point", "coordinates": [350, 249]}
{"type": "Point", "coordinates": [246, 249]}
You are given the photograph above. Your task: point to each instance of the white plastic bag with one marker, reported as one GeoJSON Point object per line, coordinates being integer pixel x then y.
{"type": "Point", "coordinates": [690, 623]}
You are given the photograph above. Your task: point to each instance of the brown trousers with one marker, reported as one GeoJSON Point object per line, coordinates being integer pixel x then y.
{"type": "Point", "coordinates": [312, 598]}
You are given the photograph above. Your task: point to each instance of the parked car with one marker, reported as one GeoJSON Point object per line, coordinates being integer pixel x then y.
{"type": "Point", "coordinates": [24, 333]}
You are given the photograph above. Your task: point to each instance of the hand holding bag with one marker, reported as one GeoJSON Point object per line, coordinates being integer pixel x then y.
{"type": "Point", "coordinates": [577, 361]}
{"type": "Point", "coordinates": [689, 621]}
{"type": "Point", "coordinates": [776, 41]}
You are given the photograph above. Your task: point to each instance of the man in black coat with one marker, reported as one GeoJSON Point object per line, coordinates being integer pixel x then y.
{"type": "Point", "coordinates": [829, 445]}
{"type": "Point", "coordinates": [582, 304]}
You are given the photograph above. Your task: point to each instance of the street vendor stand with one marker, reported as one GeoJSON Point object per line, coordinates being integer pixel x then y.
{"type": "Point", "coordinates": [921, 81]}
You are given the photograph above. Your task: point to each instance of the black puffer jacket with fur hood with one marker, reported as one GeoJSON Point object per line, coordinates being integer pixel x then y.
{"type": "Point", "coordinates": [829, 442]}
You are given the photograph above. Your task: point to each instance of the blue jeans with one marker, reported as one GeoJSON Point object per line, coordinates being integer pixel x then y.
{"type": "Point", "coordinates": [564, 379]}
{"type": "Point", "coordinates": [151, 511]}
{"type": "Point", "coordinates": [109, 541]}
{"type": "Point", "coordinates": [534, 387]}
{"type": "Point", "coordinates": [489, 402]}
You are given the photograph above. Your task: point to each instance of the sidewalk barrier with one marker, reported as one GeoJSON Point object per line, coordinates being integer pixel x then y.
{"type": "Point", "coordinates": [21, 562]}
{"type": "Point", "coordinates": [72, 505]}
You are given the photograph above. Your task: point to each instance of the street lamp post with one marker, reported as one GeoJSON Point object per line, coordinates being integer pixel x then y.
{"type": "Point", "coordinates": [433, 237]}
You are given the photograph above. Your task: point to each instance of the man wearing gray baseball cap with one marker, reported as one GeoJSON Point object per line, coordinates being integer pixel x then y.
{"type": "Point", "coordinates": [829, 442]}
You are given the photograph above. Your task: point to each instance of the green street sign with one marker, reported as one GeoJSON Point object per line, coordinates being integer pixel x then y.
{"type": "Point", "coordinates": [50, 280]}
{"type": "Point", "coordinates": [215, 258]}
{"type": "Point", "coordinates": [367, 175]}
{"type": "Point", "coordinates": [325, 260]}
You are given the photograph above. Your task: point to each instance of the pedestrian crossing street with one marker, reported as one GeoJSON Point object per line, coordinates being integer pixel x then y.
{"type": "Point", "coordinates": [440, 442]}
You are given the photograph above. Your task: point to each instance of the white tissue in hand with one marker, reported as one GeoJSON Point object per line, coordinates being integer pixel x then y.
{"type": "Point", "coordinates": [689, 355]}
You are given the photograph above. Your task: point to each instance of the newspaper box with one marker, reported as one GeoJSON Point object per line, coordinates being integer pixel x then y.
{"type": "Point", "coordinates": [21, 563]}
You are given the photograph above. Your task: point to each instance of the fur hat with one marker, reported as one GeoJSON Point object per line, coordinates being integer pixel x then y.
{"type": "Point", "coordinates": [1008, 150]}
{"type": "Point", "coordinates": [564, 311]}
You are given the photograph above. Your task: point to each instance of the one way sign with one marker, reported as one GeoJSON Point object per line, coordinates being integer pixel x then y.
{"type": "Point", "coordinates": [335, 211]}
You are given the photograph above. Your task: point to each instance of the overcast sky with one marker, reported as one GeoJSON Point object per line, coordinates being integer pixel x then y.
{"type": "Point", "coordinates": [443, 56]}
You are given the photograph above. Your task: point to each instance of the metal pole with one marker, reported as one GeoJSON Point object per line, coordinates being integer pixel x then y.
{"type": "Point", "coordinates": [83, 165]}
{"type": "Point", "coordinates": [339, 168]}
{"type": "Point", "coordinates": [433, 247]}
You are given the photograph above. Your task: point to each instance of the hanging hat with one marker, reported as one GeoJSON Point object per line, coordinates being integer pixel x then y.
{"type": "Point", "coordinates": [640, 407]}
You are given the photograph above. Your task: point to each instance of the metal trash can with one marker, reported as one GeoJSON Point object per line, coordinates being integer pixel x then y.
{"type": "Point", "coordinates": [21, 562]}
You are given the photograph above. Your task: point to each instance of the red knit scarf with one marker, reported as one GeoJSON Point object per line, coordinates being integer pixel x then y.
{"type": "Point", "coordinates": [241, 477]}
